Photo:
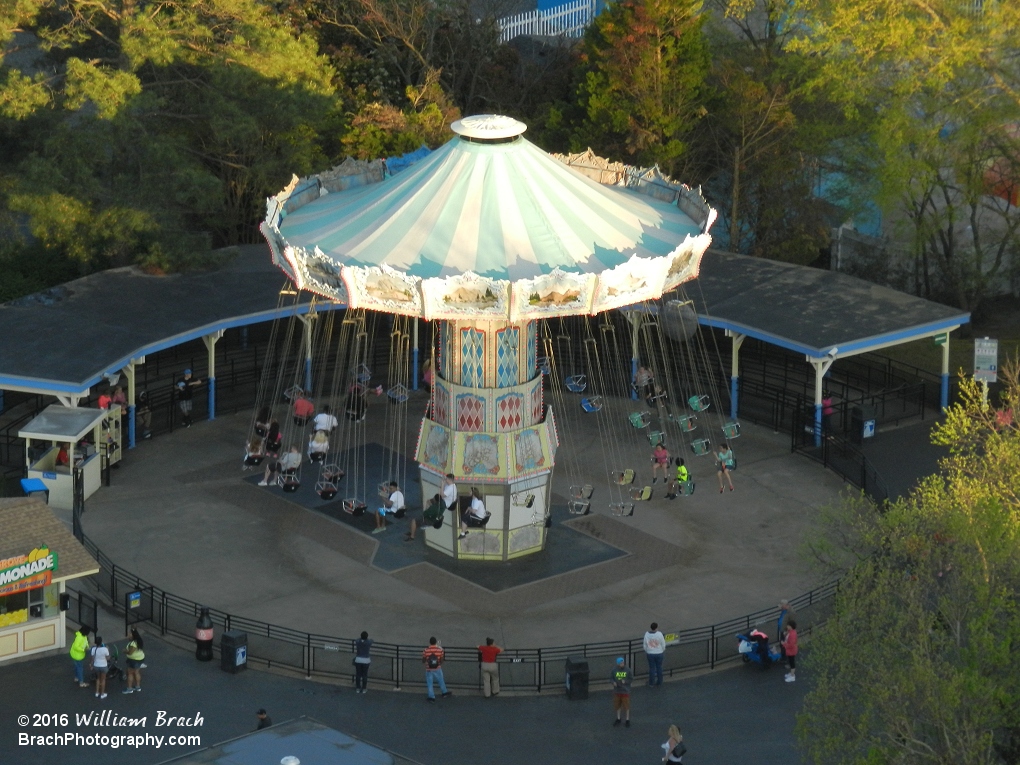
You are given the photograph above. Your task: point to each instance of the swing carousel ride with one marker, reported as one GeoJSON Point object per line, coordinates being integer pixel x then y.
{"type": "Point", "coordinates": [554, 290]}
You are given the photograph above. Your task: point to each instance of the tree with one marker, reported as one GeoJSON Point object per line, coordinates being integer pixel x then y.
{"type": "Point", "coordinates": [917, 665]}
{"type": "Point", "coordinates": [645, 64]}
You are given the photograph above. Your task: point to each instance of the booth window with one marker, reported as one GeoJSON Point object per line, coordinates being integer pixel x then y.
{"type": "Point", "coordinates": [38, 603]}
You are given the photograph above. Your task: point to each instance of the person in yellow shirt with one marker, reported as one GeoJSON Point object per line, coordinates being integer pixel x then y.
{"type": "Point", "coordinates": [79, 647]}
{"type": "Point", "coordinates": [134, 655]}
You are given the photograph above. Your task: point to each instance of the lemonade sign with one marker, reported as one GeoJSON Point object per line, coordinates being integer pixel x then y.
{"type": "Point", "coordinates": [26, 572]}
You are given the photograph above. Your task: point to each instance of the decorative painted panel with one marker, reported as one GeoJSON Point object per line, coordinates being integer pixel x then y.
{"type": "Point", "coordinates": [446, 351]}
{"type": "Point", "coordinates": [472, 358]}
{"type": "Point", "coordinates": [470, 412]}
{"type": "Point", "coordinates": [532, 353]}
{"type": "Point", "coordinates": [441, 404]}
{"type": "Point", "coordinates": [481, 455]}
{"type": "Point", "coordinates": [510, 412]}
{"type": "Point", "coordinates": [529, 454]}
{"type": "Point", "coordinates": [536, 403]}
{"type": "Point", "coordinates": [508, 342]}
{"type": "Point", "coordinates": [435, 447]}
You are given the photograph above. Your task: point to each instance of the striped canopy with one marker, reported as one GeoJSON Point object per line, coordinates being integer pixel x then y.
{"type": "Point", "coordinates": [473, 223]}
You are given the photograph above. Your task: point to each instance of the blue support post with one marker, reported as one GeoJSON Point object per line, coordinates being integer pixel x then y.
{"type": "Point", "coordinates": [131, 426]}
{"type": "Point", "coordinates": [212, 398]}
{"type": "Point", "coordinates": [818, 424]}
{"type": "Point", "coordinates": [1, 400]}
{"type": "Point", "coordinates": [633, 377]}
{"type": "Point", "coordinates": [734, 390]}
{"type": "Point", "coordinates": [308, 375]}
{"type": "Point", "coordinates": [414, 374]}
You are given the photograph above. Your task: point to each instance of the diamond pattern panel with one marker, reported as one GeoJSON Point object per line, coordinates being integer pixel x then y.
{"type": "Point", "coordinates": [509, 410]}
{"type": "Point", "coordinates": [470, 413]}
{"type": "Point", "coordinates": [472, 358]}
{"type": "Point", "coordinates": [441, 405]}
{"type": "Point", "coordinates": [532, 348]}
{"type": "Point", "coordinates": [508, 363]}
{"type": "Point", "coordinates": [445, 350]}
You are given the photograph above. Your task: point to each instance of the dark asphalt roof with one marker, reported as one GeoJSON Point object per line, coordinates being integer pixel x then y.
{"type": "Point", "coordinates": [810, 310]}
{"type": "Point", "coordinates": [66, 339]}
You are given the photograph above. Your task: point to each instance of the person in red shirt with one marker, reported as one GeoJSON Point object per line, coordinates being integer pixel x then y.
{"type": "Point", "coordinates": [790, 649]}
{"type": "Point", "coordinates": [303, 410]}
{"type": "Point", "coordinates": [62, 456]}
{"type": "Point", "coordinates": [432, 657]}
{"type": "Point", "coordinates": [490, 670]}
{"type": "Point", "coordinates": [105, 399]}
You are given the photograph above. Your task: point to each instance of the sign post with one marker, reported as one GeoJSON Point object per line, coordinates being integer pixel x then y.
{"type": "Point", "coordinates": [986, 363]}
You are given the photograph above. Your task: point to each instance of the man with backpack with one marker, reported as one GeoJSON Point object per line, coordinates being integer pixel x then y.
{"type": "Point", "coordinates": [432, 657]}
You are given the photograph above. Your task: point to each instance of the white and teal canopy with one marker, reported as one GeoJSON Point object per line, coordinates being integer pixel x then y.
{"type": "Point", "coordinates": [489, 225]}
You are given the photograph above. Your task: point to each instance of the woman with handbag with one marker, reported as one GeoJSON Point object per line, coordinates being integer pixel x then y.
{"type": "Point", "coordinates": [674, 747]}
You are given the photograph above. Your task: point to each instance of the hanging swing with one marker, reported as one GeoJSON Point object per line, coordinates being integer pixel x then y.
{"type": "Point", "coordinates": [701, 446]}
{"type": "Point", "coordinates": [731, 429]}
{"type": "Point", "coordinates": [398, 394]}
{"type": "Point", "coordinates": [640, 419]}
{"type": "Point", "coordinates": [544, 365]}
{"type": "Point", "coordinates": [622, 509]}
{"type": "Point", "coordinates": [583, 491]}
{"type": "Point", "coordinates": [699, 403]}
{"type": "Point", "coordinates": [591, 405]}
{"type": "Point", "coordinates": [522, 499]}
{"type": "Point", "coordinates": [656, 437]}
{"type": "Point", "coordinates": [578, 507]}
{"type": "Point", "coordinates": [622, 478]}
{"type": "Point", "coordinates": [686, 422]}
{"type": "Point", "coordinates": [641, 493]}
{"type": "Point", "coordinates": [326, 490]}
{"type": "Point", "coordinates": [577, 383]}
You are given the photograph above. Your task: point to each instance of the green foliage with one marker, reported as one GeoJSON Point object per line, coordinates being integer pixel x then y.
{"type": "Point", "coordinates": [918, 663]}
{"type": "Point", "coordinates": [645, 63]}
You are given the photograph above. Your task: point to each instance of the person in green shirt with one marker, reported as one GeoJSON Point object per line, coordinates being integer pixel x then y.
{"type": "Point", "coordinates": [79, 647]}
{"type": "Point", "coordinates": [621, 679]}
{"type": "Point", "coordinates": [681, 478]}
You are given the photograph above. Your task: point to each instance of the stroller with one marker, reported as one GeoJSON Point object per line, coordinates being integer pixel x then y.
{"type": "Point", "coordinates": [113, 670]}
{"type": "Point", "coordinates": [755, 647]}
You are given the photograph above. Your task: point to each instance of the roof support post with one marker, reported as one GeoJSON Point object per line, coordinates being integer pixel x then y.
{"type": "Point", "coordinates": [70, 400]}
{"type": "Point", "coordinates": [307, 321]}
{"type": "Point", "coordinates": [414, 361]}
{"type": "Point", "coordinates": [821, 369]}
{"type": "Point", "coordinates": [129, 373]}
{"type": "Point", "coordinates": [210, 346]}
{"type": "Point", "coordinates": [737, 341]}
{"type": "Point", "coordinates": [944, 391]}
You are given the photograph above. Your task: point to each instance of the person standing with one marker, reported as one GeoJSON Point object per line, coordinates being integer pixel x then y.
{"type": "Point", "coordinates": [490, 669]}
{"type": "Point", "coordinates": [789, 643]}
{"type": "Point", "coordinates": [393, 502]}
{"type": "Point", "coordinates": [79, 647]}
{"type": "Point", "coordinates": [101, 665]}
{"type": "Point", "coordinates": [655, 647]}
{"type": "Point", "coordinates": [724, 462]}
{"type": "Point", "coordinates": [674, 747]}
{"type": "Point", "coordinates": [621, 680]}
{"type": "Point", "coordinates": [264, 721]}
{"type": "Point", "coordinates": [362, 659]}
{"type": "Point", "coordinates": [185, 393]}
{"type": "Point", "coordinates": [432, 657]}
{"type": "Point", "coordinates": [143, 413]}
{"type": "Point", "coordinates": [786, 613]}
{"type": "Point", "coordinates": [827, 411]}
{"type": "Point", "coordinates": [135, 655]}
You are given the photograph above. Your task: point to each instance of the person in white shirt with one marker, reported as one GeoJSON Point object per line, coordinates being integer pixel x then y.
{"type": "Point", "coordinates": [393, 502]}
{"type": "Point", "coordinates": [325, 420]}
{"type": "Point", "coordinates": [449, 492]}
{"type": "Point", "coordinates": [288, 465]}
{"type": "Point", "coordinates": [101, 664]}
{"type": "Point", "coordinates": [477, 510]}
{"type": "Point", "coordinates": [655, 647]}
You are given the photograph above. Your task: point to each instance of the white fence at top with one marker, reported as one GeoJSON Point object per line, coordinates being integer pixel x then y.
{"type": "Point", "coordinates": [568, 20]}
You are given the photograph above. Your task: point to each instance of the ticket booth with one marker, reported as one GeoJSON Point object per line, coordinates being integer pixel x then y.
{"type": "Point", "coordinates": [61, 437]}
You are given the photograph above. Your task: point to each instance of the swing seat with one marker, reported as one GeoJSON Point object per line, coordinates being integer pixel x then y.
{"type": "Point", "coordinates": [317, 457]}
{"type": "Point", "coordinates": [641, 494]}
{"type": "Point", "coordinates": [623, 478]}
{"type": "Point", "coordinates": [686, 488]}
{"type": "Point", "coordinates": [686, 422]}
{"type": "Point", "coordinates": [640, 419]}
{"type": "Point", "coordinates": [701, 446]}
{"type": "Point", "coordinates": [656, 437]}
{"type": "Point", "coordinates": [576, 383]}
{"type": "Point", "coordinates": [354, 507]}
{"type": "Point", "coordinates": [622, 509]}
{"type": "Point", "coordinates": [529, 500]}
{"type": "Point", "coordinates": [332, 473]}
{"type": "Point", "coordinates": [593, 404]}
{"type": "Point", "coordinates": [289, 484]}
{"type": "Point", "coordinates": [300, 421]}
{"type": "Point", "coordinates": [362, 373]}
{"type": "Point", "coordinates": [578, 507]}
{"type": "Point", "coordinates": [582, 492]}
{"type": "Point", "coordinates": [398, 394]}
{"type": "Point", "coordinates": [293, 392]}
{"type": "Point", "coordinates": [699, 403]}
{"type": "Point", "coordinates": [731, 429]}
{"type": "Point", "coordinates": [326, 490]}
{"type": "Point", "coordinates": [476, 523]}
{"type": "Point", "coordinates": [261, 431]}
{"type": "Point", "coordinates": [254, 460]}
{"type": "Point", "coordinates": [544, 365]}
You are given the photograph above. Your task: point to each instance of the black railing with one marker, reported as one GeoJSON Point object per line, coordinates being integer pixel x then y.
{"type": "Point", "coordinates": [835, 452]}
{"type": "Point", "coordinates": [526, 669]}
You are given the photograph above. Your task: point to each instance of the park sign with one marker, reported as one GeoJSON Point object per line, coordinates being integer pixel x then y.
{"type": "Point", "coordinates": [26, 572]}
{"type": "Point", "coordinates": [986, 360]}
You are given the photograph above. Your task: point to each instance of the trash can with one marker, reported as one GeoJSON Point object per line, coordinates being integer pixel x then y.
{"type": "Point", "coordinates": [577, 679]}
{"type": "Point", "coordinates": [233, 651]}
{"type": "Point", "coordinates": [862, 423]}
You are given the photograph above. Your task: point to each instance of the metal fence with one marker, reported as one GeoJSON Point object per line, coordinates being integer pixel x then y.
{"type": "Point", "coordinates": [524, 669]}
{"type": "Point", "coordinates": [568, 20]}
